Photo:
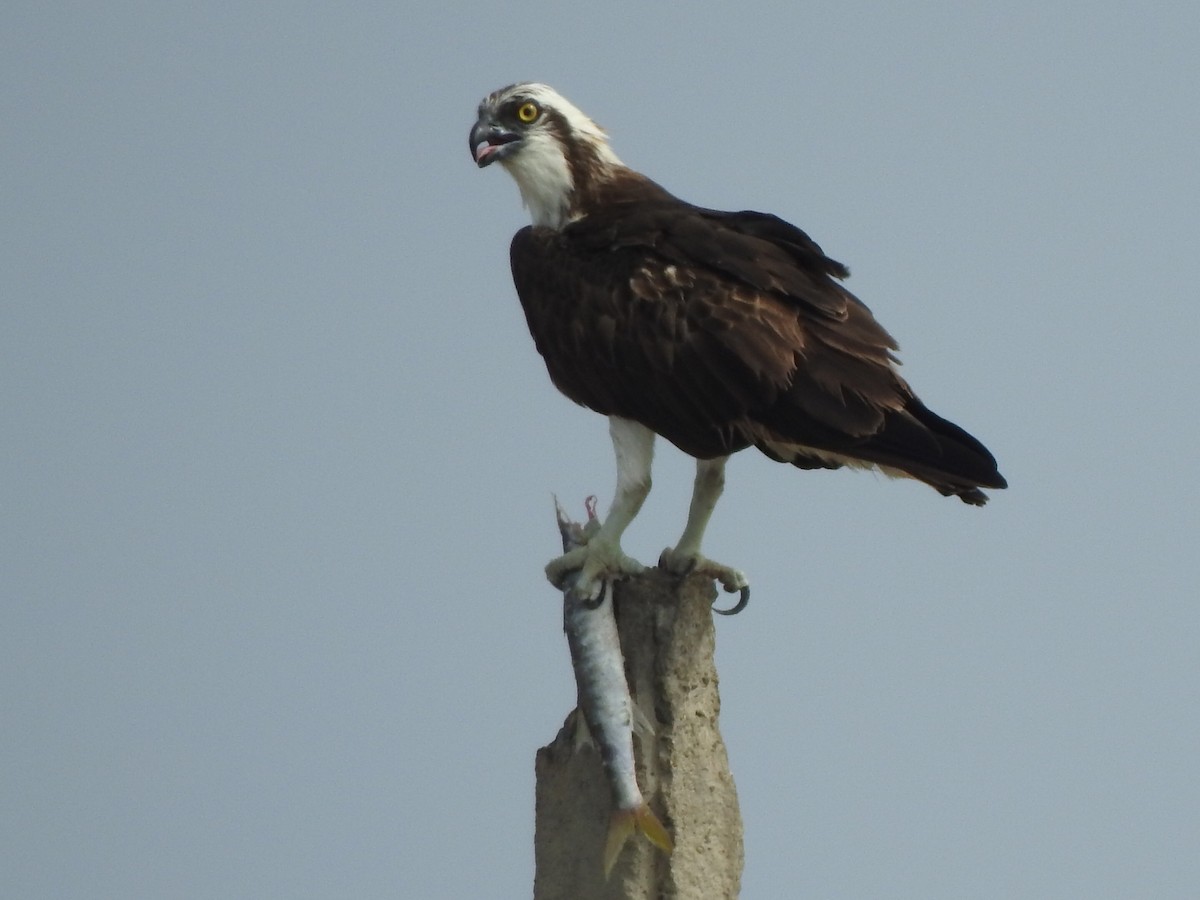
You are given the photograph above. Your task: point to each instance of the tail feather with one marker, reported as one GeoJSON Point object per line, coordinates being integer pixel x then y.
{"type": "Point", "coordinates": [813, 429]}
{"type": "Point", "coordinates": [625, 822]}
{"type": "Point", "coordinates": [934, 450]}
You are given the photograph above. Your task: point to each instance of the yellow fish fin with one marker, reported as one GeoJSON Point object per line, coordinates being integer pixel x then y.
{"type": "Point", "coordinates": [623, 823]}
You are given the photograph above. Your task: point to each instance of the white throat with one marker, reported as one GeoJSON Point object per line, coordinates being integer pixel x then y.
{"type": "Point", "coordinates": [544, 179]}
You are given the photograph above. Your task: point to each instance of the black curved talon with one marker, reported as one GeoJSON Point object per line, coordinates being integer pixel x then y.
{"type": "Point", "coordinates": [598, 601]}
{"type": "Point", "coordinates": [589, 602]}
{"type": "Point", "coordinates": [743, 602]}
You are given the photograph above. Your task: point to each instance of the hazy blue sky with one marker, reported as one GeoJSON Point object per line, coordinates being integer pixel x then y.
{"type": "Point", "coordinates": [277, 451]}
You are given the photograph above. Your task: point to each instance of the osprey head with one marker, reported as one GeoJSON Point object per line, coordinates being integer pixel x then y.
{"type": "Point", "coordinates": [549, 147]}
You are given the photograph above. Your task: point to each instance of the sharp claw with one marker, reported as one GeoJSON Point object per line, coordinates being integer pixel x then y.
{"type": "Point", "coordinates": [597, 601]}
{"type": "Point", "coordinates": [743, 602]}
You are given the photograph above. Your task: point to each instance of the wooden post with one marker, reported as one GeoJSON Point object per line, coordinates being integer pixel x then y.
{"type": "Point", "coordinates": [667, 638]}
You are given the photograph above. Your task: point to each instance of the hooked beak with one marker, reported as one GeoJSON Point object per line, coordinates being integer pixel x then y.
{"type": "Point", "coordinates": [489, 142]}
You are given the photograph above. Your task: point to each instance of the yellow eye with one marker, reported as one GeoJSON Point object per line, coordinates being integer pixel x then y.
{"type": "Point", "coordinates": [528, 112]}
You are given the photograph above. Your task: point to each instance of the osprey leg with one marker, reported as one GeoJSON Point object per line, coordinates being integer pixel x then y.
{"type": "Point", "coordinates": [601, 557]}
{"type": "Point", "coordinates": [685, 557]}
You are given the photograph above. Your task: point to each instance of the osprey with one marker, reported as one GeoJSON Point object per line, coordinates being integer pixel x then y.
{"type": "Point", "coordinates": [717, 330]}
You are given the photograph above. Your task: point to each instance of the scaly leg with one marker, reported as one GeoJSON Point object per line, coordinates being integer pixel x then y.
{"type": "Point", "coordinates": [686, 557]}
{"type": "Point", "coordinates": [601, 557]}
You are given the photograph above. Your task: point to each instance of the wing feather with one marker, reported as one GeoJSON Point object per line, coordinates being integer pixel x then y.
{"type": "Point", "coordinates": [721, 330]}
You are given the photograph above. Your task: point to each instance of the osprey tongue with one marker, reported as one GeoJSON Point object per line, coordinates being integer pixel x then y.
{"type": "Point", "coordinates": [484, 149]}
{"type": "Point", "coordinates": [487, 142]}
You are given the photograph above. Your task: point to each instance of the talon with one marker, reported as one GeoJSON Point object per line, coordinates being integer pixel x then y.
{"type": "Point", "coordinates": [743, 602]}
{"type": "Point", "coordinates": [585, 569]}
{"type": "Point", "coordinates": [732, 580]}
{"type": "Point", "coordinates": [597, 601]}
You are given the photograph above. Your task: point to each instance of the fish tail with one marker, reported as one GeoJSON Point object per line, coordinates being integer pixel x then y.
{"type": "Point", "coordinates": [654, 830]}
{"type": "Point", "coordinates": [620, 827]}
{"type": "Point", "coordinates": [625, 822]}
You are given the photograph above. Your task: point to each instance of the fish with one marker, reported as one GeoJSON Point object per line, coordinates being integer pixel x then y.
{"type": "Point", "coordinates": [604, 701]}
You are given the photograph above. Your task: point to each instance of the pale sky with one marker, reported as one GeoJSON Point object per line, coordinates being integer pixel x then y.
{"type": "Point", "coordinates": [278, 453]}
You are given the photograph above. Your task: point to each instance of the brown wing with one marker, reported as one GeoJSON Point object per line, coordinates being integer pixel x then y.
{"type": "Point", "coordinates": [722, 330]}
{"type": "Point", "coordinates": [673, 348]}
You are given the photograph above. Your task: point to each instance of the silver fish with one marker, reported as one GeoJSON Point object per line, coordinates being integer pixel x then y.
{"type": "Point", "coordinates": [605, 703]}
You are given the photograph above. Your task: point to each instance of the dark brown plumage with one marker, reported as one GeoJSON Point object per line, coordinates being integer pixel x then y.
{"type": "Point", "coordinates": [725, 330]}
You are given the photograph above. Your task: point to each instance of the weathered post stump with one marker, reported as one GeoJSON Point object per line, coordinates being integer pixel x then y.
{"type": "Point", "coordinates": [668, 640]}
